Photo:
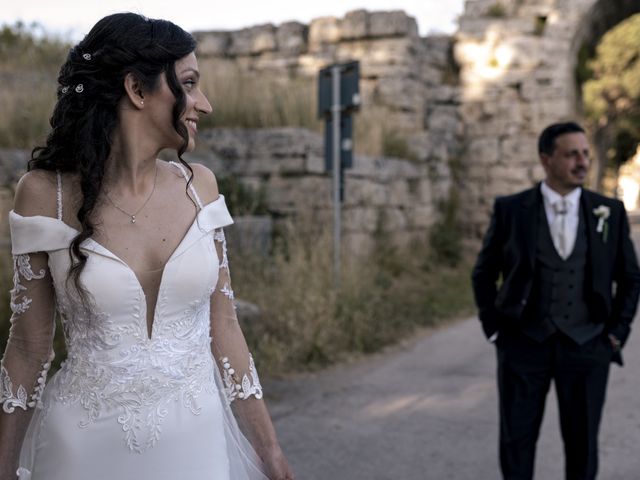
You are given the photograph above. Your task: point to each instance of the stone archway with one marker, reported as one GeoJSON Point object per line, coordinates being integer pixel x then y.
{"type": "Point", "coordinates": [517, 72]}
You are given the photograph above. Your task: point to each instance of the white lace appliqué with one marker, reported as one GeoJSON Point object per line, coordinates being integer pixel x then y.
{"type": "Point", "coordinates": [11, 399]}
{"type": "Point", "coordinates": [149, 376]}
{"type": "Point", "coordinates": [219, 237]}
{"type": "Point", "coordinates": [226, 289]}
{"type": "Point", "coordinates": [244, 388]}
{"type": "Point", "coordinates": [22, 267]}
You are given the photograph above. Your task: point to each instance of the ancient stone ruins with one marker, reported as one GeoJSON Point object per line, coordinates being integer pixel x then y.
{"type": "Point", "coordinates": [468, 106]}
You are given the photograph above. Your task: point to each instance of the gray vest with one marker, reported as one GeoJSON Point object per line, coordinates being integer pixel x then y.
{"type": "Point", "coordinates": [558, 300]}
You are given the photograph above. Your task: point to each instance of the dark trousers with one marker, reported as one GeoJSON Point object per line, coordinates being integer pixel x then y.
{"type": "Point", "coordinates": [525, 370]}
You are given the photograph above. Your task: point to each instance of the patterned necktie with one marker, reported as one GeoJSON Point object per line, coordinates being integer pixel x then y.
{"type": "Point", "coordinates": [559, 229]}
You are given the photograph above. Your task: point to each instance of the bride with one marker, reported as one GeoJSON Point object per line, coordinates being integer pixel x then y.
{"type": "Point", "coordinates": [130, 251]}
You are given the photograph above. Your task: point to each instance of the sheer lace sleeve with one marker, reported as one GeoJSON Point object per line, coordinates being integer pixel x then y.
{"type": "Point", "coordinates": [238, 370]}
{"type": "Point", "coordinates": [28, 354]}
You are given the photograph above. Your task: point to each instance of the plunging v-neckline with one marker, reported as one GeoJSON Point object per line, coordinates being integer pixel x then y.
{"type": "Point", "coordinates": [149, 329]}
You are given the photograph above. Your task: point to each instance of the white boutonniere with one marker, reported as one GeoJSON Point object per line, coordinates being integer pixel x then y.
{"type": "Point", "coordinates": [602, 212]}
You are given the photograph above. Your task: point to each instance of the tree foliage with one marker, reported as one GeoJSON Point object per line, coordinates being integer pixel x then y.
{"type": "Point", "coordinates": [612, 94]}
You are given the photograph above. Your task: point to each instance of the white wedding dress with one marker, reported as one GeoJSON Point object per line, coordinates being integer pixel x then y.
{"type": "Point", "coordinates": [125, 405]}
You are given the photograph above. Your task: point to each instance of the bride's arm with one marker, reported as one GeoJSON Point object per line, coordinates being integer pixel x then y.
{"type": "Point", "coordinates": [28, 353]}
{"type": "Point", "coordinates": [239, 374]}
{"type": "Point", "coordinates": [229, 348]}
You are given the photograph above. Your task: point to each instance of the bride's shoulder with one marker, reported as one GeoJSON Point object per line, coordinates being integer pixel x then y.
{"type": "Point", "coordinates": [36, 194]}
{"type": "Point", "coordinates": [205, 183]}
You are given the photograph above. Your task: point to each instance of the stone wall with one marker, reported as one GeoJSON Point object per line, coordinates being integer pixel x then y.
{"type": "Point", "coordinates": [411, 80]}
{"type": "Point", "coordinates": [397, 196]}
{"type": "Point", "coordinates": [517, 72]}
{"type": "Point", "coordinates": [400, 197]}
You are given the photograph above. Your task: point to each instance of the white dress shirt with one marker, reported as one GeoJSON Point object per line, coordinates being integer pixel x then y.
{"type": "Point", "coordinates": [572, 201]}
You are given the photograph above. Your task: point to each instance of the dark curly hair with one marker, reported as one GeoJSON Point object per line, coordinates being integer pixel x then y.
{"type": "Point", "coordinates": [90, 86]}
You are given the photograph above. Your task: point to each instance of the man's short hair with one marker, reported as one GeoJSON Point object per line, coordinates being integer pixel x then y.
{"type": "Point", "coordinates": [547, 139]}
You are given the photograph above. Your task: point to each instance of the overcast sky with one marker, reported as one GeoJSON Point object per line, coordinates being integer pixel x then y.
{"type": "Point", "coordinates": [74, 18]}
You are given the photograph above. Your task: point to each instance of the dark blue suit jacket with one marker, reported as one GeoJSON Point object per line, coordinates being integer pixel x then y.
{"type": "Point", "coordinates": [508, 253]}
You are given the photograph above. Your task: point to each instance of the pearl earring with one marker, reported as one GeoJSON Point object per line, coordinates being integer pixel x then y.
{"type": "Point", "coordinates": [141, 102]}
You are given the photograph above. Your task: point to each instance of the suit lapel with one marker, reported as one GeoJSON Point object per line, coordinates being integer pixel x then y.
{"type": "Point", "coordinates": [529, 222]}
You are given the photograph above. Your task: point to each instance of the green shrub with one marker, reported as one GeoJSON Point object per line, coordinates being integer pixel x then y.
{"type": "Point", "coordinates": [242, 199]}
{"type": "Point", "coordinates": [446, 235]}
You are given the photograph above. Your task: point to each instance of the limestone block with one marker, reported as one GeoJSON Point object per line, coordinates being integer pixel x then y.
{"type": "Point", "coordinates": [285, 142]}
{"type": "Point", "coordinates": [360, 219]}
{"type": "Point", "coordinates": [446, 94]}
{"type": "Point", "coordinates": [253, 40]}
{"type": "Point", "coordinates": [519, 150]}
{"type": "Point", "coordinates": [420, 145]}
{"type": "Point", "coordinates": [291, 38]}
{"type": "Point", "coordinates": [421, 216]}
{"type": "Point", "coordinates": [400, 194]}
{"type": "Point", "coordinates": [438, 50]}
{"type": "Point", "coordinates": [431, 75]}
{"type": "Point", "coordinates": [314, 163]}
{"type": "Point", "coordinates": [384, 169]}
{"type": "Point", "coordinates": [310, 64]}
{"type": "Point", "coordinates": [401, 93]}
{"type": "Point", "coordinates": [484, 150]}
{"type": "Point", "coordinates": [354, 25]}
{"type": "Point", "coordinates": [381, 56]}
{"type": "Point", "coordinates": [392, 24]}
{"type": "Point", "coordinates": [273, 63]}
{"type": "Point", "coordinates": [444, 118]}
{"type": "Point", "coordinates": [322, 31]}
{"type": "Point", "coordinates": [393, 219]}
{"type": "Point", "coordinates": [294, 194]}
{"type": "Point", "coordinates": [228, 143]}
{"type": "Point", "coordinates": [212, 44]}
{"type": "Point", "coordinates": [424, 190]}
{"type": "Point", "coordinates": [365, 192]}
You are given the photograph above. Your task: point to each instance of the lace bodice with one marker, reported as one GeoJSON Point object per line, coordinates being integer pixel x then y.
{"type": "Point", "coordinates": [112, 362]}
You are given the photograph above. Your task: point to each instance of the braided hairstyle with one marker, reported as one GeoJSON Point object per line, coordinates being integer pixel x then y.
{"type": "Point", "coordinates": [90, 86]}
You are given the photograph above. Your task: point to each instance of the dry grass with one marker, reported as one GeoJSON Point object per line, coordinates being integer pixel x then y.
{"type": "Point", "coordinates": [24, 122]}
{"type": "Point", "coordinates": [307, 324]}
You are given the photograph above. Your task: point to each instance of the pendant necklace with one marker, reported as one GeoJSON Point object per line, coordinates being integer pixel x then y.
{"type": "Point", "coordinates": [133, 215]}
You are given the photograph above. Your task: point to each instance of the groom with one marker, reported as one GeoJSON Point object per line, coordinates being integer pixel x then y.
{"type": "Point", "coordinates": [568, 293]}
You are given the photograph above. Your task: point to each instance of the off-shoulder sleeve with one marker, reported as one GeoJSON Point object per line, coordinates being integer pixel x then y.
{"type": "Point", "coordinates": [29, 352]}
{"type": "Point", "coordinates": [239, 374]}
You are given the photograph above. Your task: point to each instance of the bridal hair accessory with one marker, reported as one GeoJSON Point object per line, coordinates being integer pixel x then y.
{"type": "Point", "coordinates": [78, 88]}
{"type": "Point", "coordinates": [86, 56]}
{"type": "Point", "coordinates": [602, 212]}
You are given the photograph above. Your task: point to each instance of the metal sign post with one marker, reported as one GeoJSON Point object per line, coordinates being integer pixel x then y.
{"type": "Point", "coordinates": [338, 97]}
{"type": "Point", "coordinates": [337, 204]}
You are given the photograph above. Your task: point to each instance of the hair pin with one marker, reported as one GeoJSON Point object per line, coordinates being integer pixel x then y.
{"type": "Point", "coordinates": [79, 88]}
{"type": "Point", "coordinates": [86, 56]}
{"type": "Point", "coordinates": [64, 89]}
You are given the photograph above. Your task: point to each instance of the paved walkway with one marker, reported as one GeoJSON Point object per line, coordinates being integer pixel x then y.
{"type": "Point", "coordinates": [427, 409]}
